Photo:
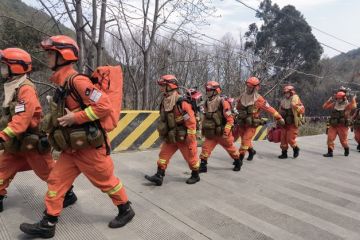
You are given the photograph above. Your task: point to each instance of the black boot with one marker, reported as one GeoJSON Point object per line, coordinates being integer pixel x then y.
{"type": "Point", "coordinates": [346, 152]}
{"type": "Point", "coordinates": [329, 153]}
{"type": "Point", "coordinates": [296, 151]}
{"type": "Point", "coordinates": [283, 154]}
{"type": "Point", "coordinates": [194, 177]}
{"type": "Point", "coordinates": [203, 166]}
{"type": "Point", "coordinates": [358, 147]}
{"type": "Point", "coordinates": [1, 203]}
{"type": "Point", "coordinates": [70, 198]}
{"type": "Point", "coordinates": [238, 163]}
{"type": "Point", "coordinates": [126, 213]}
{"type": "Point", "coordinates": [157, 178]}
{"type": "Point", "coordinates": [43, 229]}
{"type": "Point", "coordinates": [252, 153]}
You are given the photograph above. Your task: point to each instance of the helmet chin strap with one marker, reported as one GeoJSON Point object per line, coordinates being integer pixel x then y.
{"type": "Point", "coordinates": [57, 65]}
{"type": "Point", "coordinates": [213, 95]}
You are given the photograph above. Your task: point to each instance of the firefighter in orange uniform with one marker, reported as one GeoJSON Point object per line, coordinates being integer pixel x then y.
{"type": "Point", "coordinates": [248, 119]}
{"type": "Point", "coordinates": [71, 134]}
{"type": "Point", "coordinates": [292, 110]}
{"type": "Point", "coordinates": [25, 147]}
{"type": "Point", "coordinates": [356, 122]}
{"type": "Point", "coordinates": [177, 126]}
{"type": "Point", "coordinates": [217, 124]}
{"type": "Point", "coordinates": [339, 121]}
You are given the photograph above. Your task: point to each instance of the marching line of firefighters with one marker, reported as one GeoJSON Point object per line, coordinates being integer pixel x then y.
{"type": "Point", "coordinates": [79, 112]}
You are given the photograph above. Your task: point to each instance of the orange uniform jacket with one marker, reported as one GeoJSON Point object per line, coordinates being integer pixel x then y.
{"type": "Point", "coordinates": [28, 115]}
{"type": "Point", "coordinates": [228, 115]}
{"type": "Point", "coordinates": [98, 103]}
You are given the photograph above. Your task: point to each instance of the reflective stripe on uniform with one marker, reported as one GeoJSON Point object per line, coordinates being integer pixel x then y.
{"type": "Point", "coordinates": [162, 161]}
{"type": "Point", "coordinates": [191, 131]}
{"type": "Point", "coordinates": [9, 132]}
{"type": "Point", "coordinates": [196, 165]}
{"type": "Point", "coordinates": [90, 113]}
{"type": "Point", "coordinates": [244, 147]}
{"type": "Point", "coordinates": [1, 181]}
{"type": "Point", "coordinates": [205, 155]}
{"type": "Point", "coordinates": [115, 189]}
{"type": "Point", "coordinates": [52, 194]}
{"type": "Point", "coordinates": [228, 126]}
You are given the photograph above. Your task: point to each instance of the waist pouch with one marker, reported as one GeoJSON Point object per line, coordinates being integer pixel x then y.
{"type": "Point", "coordinates": [27, 142]}
{"type": "Point", "coordinates": [12, 146]}
{"type": "Point", "coordinates": [77, 138]}
{"type": "Point", "coordinates": [176, 135]}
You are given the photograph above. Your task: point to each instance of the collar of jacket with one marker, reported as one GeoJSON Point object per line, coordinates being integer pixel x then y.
{"type": "Point", "coordinates": [62, 73]}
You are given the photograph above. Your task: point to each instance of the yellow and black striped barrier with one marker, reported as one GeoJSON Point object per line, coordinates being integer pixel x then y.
{"type": "Point", "coordinates": [137, 130]}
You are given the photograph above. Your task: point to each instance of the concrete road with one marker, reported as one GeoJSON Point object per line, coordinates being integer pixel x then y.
{"type": "Point", "coordinates": [311, 197]}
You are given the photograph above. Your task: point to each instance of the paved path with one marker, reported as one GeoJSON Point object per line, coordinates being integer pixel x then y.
{"type": "Point", "coordinates": [306, 198]}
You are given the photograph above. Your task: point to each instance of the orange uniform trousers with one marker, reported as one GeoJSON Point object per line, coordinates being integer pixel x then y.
{"type": "Point", "coordinates": [10, 164]}
{"type": "Point", "coordinates": [339, 130]}
{"type": "Point", "coordinates": [289, 134]}
{"type": "Point", "coordinates": [227, 143]}
{"type": "Point", "coordinates": [246, 134]}
{"type": "Point", "coordinates": [95, 165]}
{"type": "Point", "coordinates": [187, 149]}
{"type": "Point", "coordinates": [357, 134]}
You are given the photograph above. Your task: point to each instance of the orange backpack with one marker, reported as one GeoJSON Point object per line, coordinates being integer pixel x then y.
{"type": "Point", "coordinates": [108, 79]}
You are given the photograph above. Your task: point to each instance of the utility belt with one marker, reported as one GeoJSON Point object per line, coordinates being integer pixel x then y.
{"type": "Point", "coordinates": [77, 137]}
{"type": "Point", "coordinates": [342, 120]}
{"type": "Point", "coordinates": [245, 117]}
{"type": "Point", "coordinates": [250, 121]}
{"type": "Point", "coordinates": [171, 129]}
{"type": "Point", "coordinates": [213, 124]}
{"type": "Point", "coordinates": [29, 141]}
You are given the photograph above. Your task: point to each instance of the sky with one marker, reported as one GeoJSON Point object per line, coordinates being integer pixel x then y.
{"type": "Point", "coordinates": [340, 18]}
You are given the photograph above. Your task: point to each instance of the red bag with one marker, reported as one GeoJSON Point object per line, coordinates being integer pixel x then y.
{"type": "Point", "coordinates": [274, 135]}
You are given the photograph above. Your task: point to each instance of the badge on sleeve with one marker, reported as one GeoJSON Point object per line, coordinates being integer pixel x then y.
{"type": "Point", "coordinates": [186, 116]}
{"type": "Point", "coordinates": [95, 95]}
{"type": "Point", "coordinates": [19, 108]}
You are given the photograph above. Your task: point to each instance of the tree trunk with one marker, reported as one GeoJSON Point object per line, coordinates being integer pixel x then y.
{"type": "Point", "coordinates": [79, 36]}
{"type": "Point", "coordinates": [145, 102]}
{"type": "Point", "coordinates": [100, 43]}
